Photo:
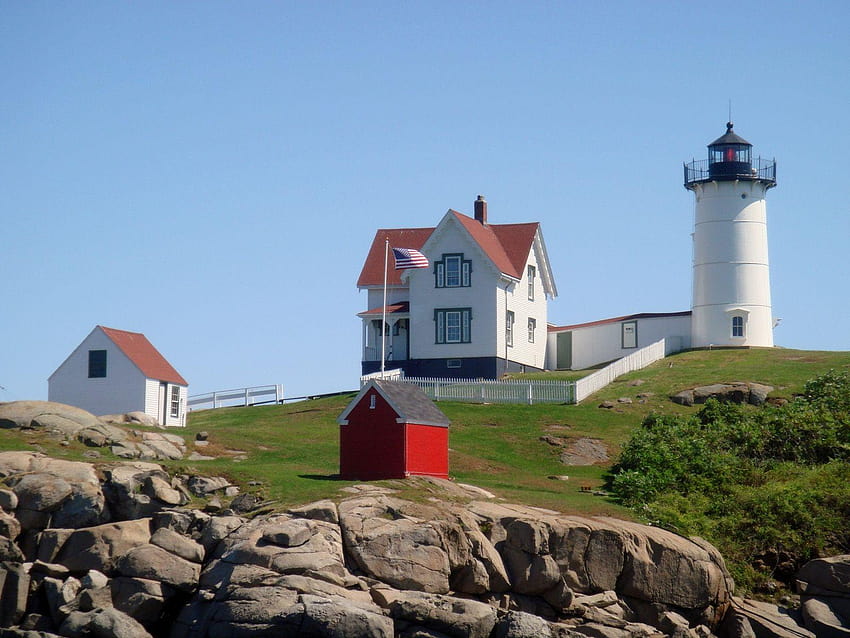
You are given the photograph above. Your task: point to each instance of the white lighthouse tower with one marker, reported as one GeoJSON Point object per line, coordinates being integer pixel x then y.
{"type": "Point", "coordinates": [731, 302]}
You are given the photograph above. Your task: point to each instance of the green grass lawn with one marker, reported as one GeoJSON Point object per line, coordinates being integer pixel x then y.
{"type": "Point", "coordinates": [292, 450]}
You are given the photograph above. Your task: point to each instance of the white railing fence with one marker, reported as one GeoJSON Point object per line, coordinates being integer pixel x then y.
{"type": "Point", "coordinates": [396, 374]}
{"type": "Point", "coordinates": [635, 361]}
{"type": "Point", "coordinates": [257, 395]}
{"type": "Point", "coordinates": [496, 391]}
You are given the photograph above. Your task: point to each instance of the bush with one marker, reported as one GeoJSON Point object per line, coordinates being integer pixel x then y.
{"type": "Point", "coordinates": [770, 486]}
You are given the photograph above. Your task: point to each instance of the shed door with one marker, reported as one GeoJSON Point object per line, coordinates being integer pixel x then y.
{"type": "Point", "coordinates": [564, 351]}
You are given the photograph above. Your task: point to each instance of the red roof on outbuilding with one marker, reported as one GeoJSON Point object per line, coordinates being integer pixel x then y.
{"type": "Point", "coordinates": [142, 353]}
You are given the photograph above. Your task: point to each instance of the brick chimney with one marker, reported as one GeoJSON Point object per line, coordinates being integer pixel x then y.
{"type": "Point", "coordinates": [481, 210]}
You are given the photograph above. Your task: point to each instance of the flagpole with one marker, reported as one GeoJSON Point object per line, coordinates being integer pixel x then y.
{"type": "Point", "coordinates": [384, 308]}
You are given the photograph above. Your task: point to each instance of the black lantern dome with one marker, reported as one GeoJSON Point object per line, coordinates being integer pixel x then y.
{"type": "Point", "coordinates": [730, 158]}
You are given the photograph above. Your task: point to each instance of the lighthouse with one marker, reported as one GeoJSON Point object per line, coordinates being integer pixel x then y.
{"type": "Point", "coordinates": [731, 285]}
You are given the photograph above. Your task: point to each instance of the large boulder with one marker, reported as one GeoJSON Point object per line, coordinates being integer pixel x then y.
{"type": "Point", "coordinates": [53, 492]}
{"type": "Point", "coordinates": [825, 586]}
{"type": "Point", "coordinates": [97, 547]}
{"type": "Point", "coordinates": [47, 415]}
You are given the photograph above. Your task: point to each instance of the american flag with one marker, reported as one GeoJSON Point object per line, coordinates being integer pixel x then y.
{"type": "Point", "coordinates": [409, 258]}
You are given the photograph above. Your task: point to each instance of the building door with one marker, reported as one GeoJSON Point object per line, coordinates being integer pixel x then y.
{"type": "Point", "coordinates": [162, 408]}
{"type": "Point", "coordinates": [564, 352]}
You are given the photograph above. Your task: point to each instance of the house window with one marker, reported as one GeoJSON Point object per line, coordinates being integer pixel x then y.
{"type": "Point", "coordinates": [453, 325]}
{"type": "Point", "coordinates": [532, 273]}
{"type": "Point", "coordinates": [532, 326]}
{"type": "Point", "coordinates": [737, 326]}
{"type": "Point", "coordinates": [175, 401]}
{"type": "Point", "coordinates": [453, 271]}
{"type": "Point", "coordinates": [509, 328]}
{"type": "Point", "coordinates": [97, 364]}
{"type": "Point", "coordinates": [629, 336]}
{"type": "Point", "coordinates": [453, 363]}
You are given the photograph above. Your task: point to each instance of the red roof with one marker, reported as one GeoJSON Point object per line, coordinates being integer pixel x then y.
{"type": "Point", "coordinates": [507, 246]}
{"type": "Point", "coordinates": [142, 353]}
{"type": "Point", "coordinates": [640, 315]}
{"type": "Point", "coordinates": [402, 307]}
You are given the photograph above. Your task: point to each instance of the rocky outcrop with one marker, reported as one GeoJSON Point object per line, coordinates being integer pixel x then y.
{"type": "Point", "coordinates": [824, 585]}
{"type": "Point", "coordinates": [110, 431]}
{"type": "Point", "coordinates": [736, 392]}
{"type": "Point", "coordinates": [139, 563]}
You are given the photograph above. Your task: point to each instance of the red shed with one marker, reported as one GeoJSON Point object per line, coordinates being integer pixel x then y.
{"type": "Point", "coordinates": [392, 430]}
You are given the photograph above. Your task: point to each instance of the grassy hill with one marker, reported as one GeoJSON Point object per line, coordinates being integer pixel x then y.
{"type": "Point", "coordinates": [289, 453]}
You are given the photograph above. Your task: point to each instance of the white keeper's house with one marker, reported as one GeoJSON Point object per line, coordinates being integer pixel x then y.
{"type": "Point", "coordinates": [480, 308]}
{"type": "Point", "coordinates": [116, 372]}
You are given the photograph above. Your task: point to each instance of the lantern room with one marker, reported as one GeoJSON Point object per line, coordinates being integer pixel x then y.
{"type": "Point", "coordinates": [730, 158]}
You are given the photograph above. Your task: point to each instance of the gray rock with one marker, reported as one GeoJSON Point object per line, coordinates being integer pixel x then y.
{"type": "Point", "coordinates": [685, 397]}
{"type": "Point", "coordinates": [293, 533]}
{"type": "Point", "coordinates": [518, 624]}
{"type": "Point", "coordinates": [318, 511]}
{"type": "Point", "coordinates": [96, 547]}
{"type": "Point", "coordinates": [10, 552]}
{"type": "Point", "coordinates": [758, 393]}
{"type": "Point", "coordinates": [111, 623]}
{"type": "Point", "coordinates": [14, 584]}
{"type": "Point", "coordinates": [244, 503]}
{"type": "Point", "coordinates": [94, 579]}
{"type": "Point", "coordinates": [406, 553]}
{"type": "Point", "coordinates": [8, 500]}
{"type": "Point", "coordinates": [323, 617]}
{"type": "Point", "coordinates": [449, 615]}
{"type": "Point", "coordinates": [203, 485]}
{"type": "Point", "coordinates": [9, 526]}
{"type": "Point", "coordinates": [154, 563]}
{"type": "Point", "coordinates": [825, 575]}
{"type": "Point", "coordinates": [160, 489]}
{"type": "Point", "coordinates": [178, 545]}
{"type": "Point", "coordinates": [827, 617]}
{"type": "Point", "coordinates": [45, 414]}
{"type": "Point", "coordinates": [766, 619]}
{"type": "Point", "coordinates": [140, 598]}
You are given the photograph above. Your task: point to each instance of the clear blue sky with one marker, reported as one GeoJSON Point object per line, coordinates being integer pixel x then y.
{"type": "Point", "coordinates": [211, 173]}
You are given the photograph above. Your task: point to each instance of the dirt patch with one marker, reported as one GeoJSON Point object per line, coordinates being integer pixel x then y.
{"type": "Point", "coordinates": [585, 451]}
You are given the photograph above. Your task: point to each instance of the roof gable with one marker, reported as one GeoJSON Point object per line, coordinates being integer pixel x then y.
{"type": "Point", "coordinates": [372, 273]}
{"type": "Point", "coordinates": [507, 246]}
{"type": "Point", "coordinates": [146, 358]}
{"type": "Point", "coordinates": [408, 401]}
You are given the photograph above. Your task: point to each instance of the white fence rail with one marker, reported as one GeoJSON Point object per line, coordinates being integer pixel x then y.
{"type": "Point", "coordinates": [396, 374]}
{"type": "Point", "coordinates": [495, 391]}
{"type": "Point", "coordinates": [635, 361]}
{"type": "Point", "coordinates": [530, 391]}
{"type": "Point", "coordinates": [239, 397]}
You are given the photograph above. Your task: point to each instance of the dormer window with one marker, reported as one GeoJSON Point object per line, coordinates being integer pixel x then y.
{"type": "Point", "coordinates": [532, 274]}
{"type": "Point", "coordinates": [452, 271]}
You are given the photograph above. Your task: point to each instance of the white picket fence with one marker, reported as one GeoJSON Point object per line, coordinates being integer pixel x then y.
{"type": "Point", "coordinates": [257, 395]}
{"type": "Point", "coordinates": [529, 391]}
{"type": "Point", "coordinates": [635, 361]}
{"type": "Point", "coordinates": [491, 390]}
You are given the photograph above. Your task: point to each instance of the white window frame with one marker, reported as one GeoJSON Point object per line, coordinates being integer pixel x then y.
{"type": "Point", "coordinates": [456, 320]}
{"type": "Point", "coordinates": [453, 271]}
{"type": "Point", "coordinates": [175, 402]}
{"type": "Point", "coordinates": [509, 328]}
{"type": "Point", "coordinates": [532, 328]}
{"type": "Point", "coordinates": [532, 275]}
{"type": "Point", "coordinates": [738, 324]}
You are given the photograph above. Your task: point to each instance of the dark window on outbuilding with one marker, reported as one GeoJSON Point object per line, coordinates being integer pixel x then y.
{"type": "Point", "coordinates": [97, 364]}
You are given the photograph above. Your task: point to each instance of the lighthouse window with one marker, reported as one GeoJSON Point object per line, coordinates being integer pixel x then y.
{"type": "Point", "coordinates": [737, 326]}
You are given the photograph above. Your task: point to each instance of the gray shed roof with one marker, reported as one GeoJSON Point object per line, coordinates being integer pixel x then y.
{"type": "Point", "coordinates": [408, 400]}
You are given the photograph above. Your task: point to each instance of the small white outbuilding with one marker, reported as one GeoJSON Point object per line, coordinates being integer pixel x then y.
{"type": "Point", "coordinates": [115, 372]}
